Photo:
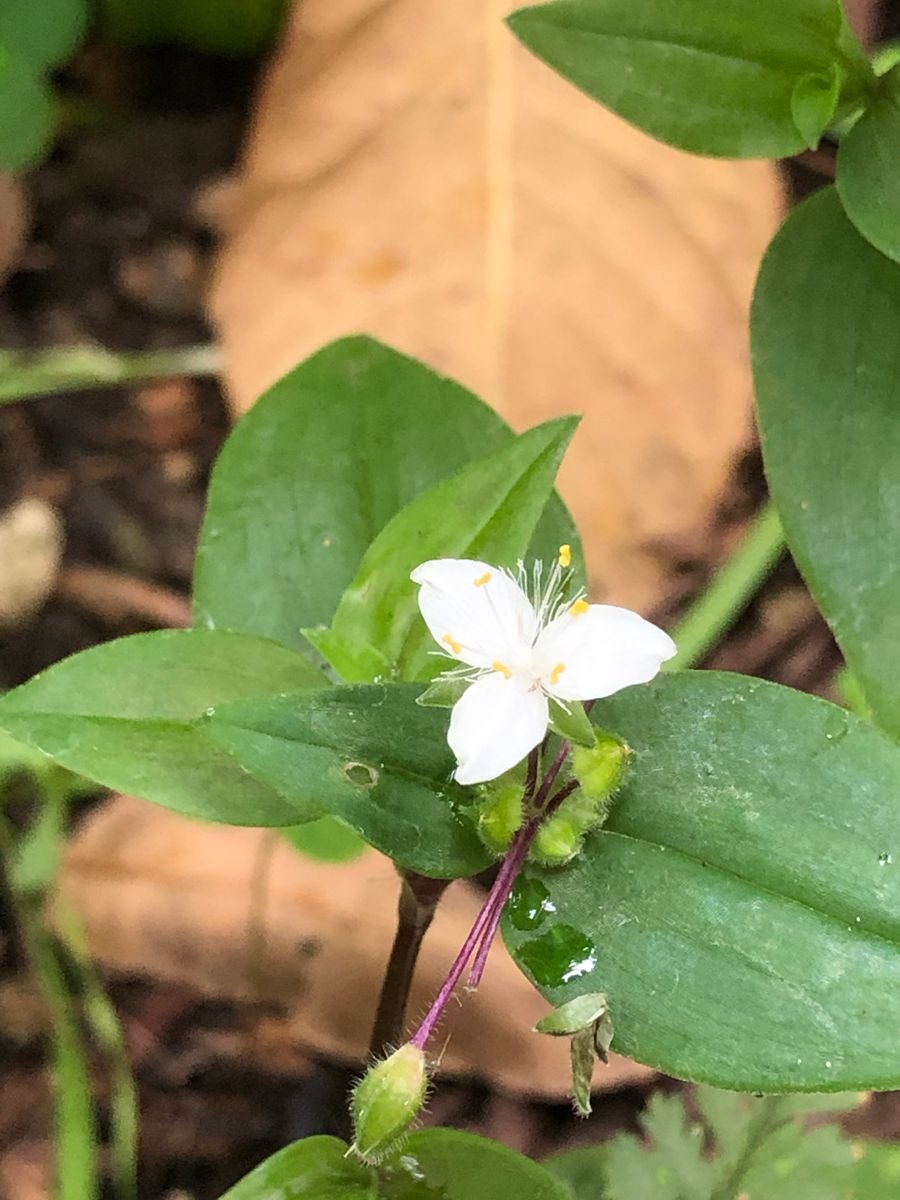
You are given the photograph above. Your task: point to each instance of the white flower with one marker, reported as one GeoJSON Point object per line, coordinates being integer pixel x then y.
{"type": "Point", "coordinates": [517, 653]}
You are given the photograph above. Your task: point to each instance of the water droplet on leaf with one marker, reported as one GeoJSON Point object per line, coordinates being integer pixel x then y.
{"type": "Point", "coordinates": [885, 858]}
{"type": "Point", "coordinates": [558, 956]}
{"type": "Point", "coordinates": [530, 903]}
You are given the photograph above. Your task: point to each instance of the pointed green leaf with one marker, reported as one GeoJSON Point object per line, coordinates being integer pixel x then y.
{"type": "Point", "coordinates": [121, 714]}
{"type": "Point", "coordinates": [488, 510]}
{"type": "Point", "coordinates": [741, 906]}
{"type": "Point", "coordinates": [814, 102]}
{"type": "Point", "coordinates": [868, 169]}
{"type": "Point", "coordinates": [316, 469]}
{"type": "Point", "coordinates": [715, 79]}
{"type": "Point", "coordinates": [436, 1164]}
{"type": "Point", "coordinates": [826, 363]}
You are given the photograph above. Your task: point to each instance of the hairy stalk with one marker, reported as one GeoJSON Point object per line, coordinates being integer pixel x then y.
{"type": "Point", "coordinates": [416, 907]}
{"type": "Point", "coordinates": [766, 1120]}
{"type": "Point", "coordinates": [493, 905]}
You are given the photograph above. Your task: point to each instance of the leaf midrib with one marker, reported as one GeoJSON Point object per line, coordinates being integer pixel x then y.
{"type": "Point", "coordinates": [755, 885]}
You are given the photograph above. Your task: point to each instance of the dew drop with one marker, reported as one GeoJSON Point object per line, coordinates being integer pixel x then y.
{"type": "Point", "coordinates": [558, 956]}
{"type": "Point", "coordinates": [210, 712]}
{"type": "Point", "coordinates": [885, 858]}
{"type": "Point", "coordinates": [529, 904]}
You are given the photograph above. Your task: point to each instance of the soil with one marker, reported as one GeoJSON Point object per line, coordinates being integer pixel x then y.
{"type": "Point", "coordinates": [119, 253]}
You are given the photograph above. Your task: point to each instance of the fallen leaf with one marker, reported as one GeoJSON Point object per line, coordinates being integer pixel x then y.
{"type": "Point", "coordinates": [414, 173]}
{"type": "Point", "coordinates": [13, 223]}
{"type": "Point", "coordinates": [238, 915]}
{"type": "Point", "coordinates": [31, 540]}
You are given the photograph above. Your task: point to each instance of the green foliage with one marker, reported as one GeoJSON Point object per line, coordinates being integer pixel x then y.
{"type": "Point", "coordinates": [329, 839]}
{"type": "Point", "coordinates": [123, 715]}
{"type": "Point", "coordinates": [34, 38]}
{"type": "Point", "coordinates": [315, 471]}
{"type": "Point", "coordinates": [738, 79]}
{"type": "Point", "coordinates": [488, 510]}
{"type": "Point", "coordinates": [231, 27]}
{"type": "Point", "coordinates": [741, 1147]}
{"type": "Point", "coordinates": [826, 359]}
{"type": "Point", "coordinates": [868, 168]}
{"type": "Point", "coordinates": [741, 906]}
{"type": "Point", "coordinates": [368, 754]}
{"type": "Point", "coordinates": [437, 1164]}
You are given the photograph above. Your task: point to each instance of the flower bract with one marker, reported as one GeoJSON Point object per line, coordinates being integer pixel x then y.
{"type": "Point", "coordinates": [519, 651]}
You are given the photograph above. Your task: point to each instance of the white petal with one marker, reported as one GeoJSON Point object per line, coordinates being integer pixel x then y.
{"type": "Point", "coordinates": [494, 725]}
{"type": "Point", "coordinates": [475, 612]}
{"type": "Point", "coordinates": [600, 651]}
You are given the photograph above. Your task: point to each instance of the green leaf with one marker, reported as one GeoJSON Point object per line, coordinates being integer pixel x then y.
{"type": "Point", "coordinates": [583, 1171]}
{"type": "Point", "coordinates": [488, 510]}
{"type": "Point", "coordinates": [826, 360]}
{"type": "Point", "coordinates": [122, 714]}
{"type": "Point", "coordinates": [235, 27]}
{"type": "Point", "coordinates": [312, 474]}
{"type": "Point", "coordinates": [741, 906]}
{"type": "Point", "coordinates": [326, 840]}
{"type": "Point", "coordinates": [40, 35]}
{"type": "Point", "coordinates": [368, 754]}
{"type": "Point", "coordinates": [436, 1164]}
{"type": "Point", "coordinates": [317, 1168]}
{"type": "Point", "coordinates": [674, 1167]}
{"type": "Point", "coordinates": [26, 115]}
{"type": "Point", "coordinates": [715, 79]}
{"type": "Point", "coordinates": [814, 103]}
{"type": "Point", "coordinates": [877, 1174]}
{"type": "Point", "coordinates": [868, 169]}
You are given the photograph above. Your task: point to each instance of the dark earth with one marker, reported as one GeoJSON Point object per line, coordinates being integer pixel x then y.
{"type": "Point", "coordinates": [121, 246]}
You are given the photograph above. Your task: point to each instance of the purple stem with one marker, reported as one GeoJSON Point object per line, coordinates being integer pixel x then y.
{"type": "Point", "coordinates": [552, 771]}
{"type": "Point", "coordinates": [487, 918]}
{"type": "Point", "coordinates": [490, 930]}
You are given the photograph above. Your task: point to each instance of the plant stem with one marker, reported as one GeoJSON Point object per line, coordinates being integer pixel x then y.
{"type": "Point", "coordinates": [25, 373]}
{"type": "Point", "coordinates": [416, 907]}
{"type": "Point", "coordinates": [487, 917]}
{"type": "Point", "coordinates": [766, 1120]}
{"type": "Point", "coordinates": [730, 591]}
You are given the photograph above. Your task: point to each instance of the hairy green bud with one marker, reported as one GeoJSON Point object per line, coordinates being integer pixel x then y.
{"type": "Point", "coordinates": [500, 813]}
{"type": "Point", "coordinates": [599, 770]}
{"type": "Point", "coordinates": [386, 1101]}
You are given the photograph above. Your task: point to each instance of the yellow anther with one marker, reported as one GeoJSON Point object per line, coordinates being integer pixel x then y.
{"type": "Point", "coordinates": [502, 668]}
{"type": "Point", "coordinates": [556, 672]}
{"type": "Point", "coordinates": [579, 607]}
{"type": "Point", "coordinates": [482, 579]}
{"type": "Point", "coordinates": [565, 555]}
{"type": "Point", "coordinates": [454, 645]}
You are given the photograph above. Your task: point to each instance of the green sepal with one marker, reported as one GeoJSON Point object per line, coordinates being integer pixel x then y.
{"type": "Point", "coordinates": [572, 723]}
{"type": "Point", "coordinates": [443, 692]}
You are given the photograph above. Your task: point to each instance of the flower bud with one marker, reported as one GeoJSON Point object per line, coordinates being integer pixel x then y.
{"type": "Point", "coordinates": [500, 813]}
{"type": "Point", "coordinates": [386, 1101]}
{"type": "Point", "coordinates": [599, 770]}
{"type": "Point", "coordinates": [558, 840]}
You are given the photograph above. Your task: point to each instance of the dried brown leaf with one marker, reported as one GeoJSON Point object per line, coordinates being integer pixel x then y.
{"type": "Point", "coordinates": [237, 914]}
{"type": "Point", "coordinates": [414, 173]}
